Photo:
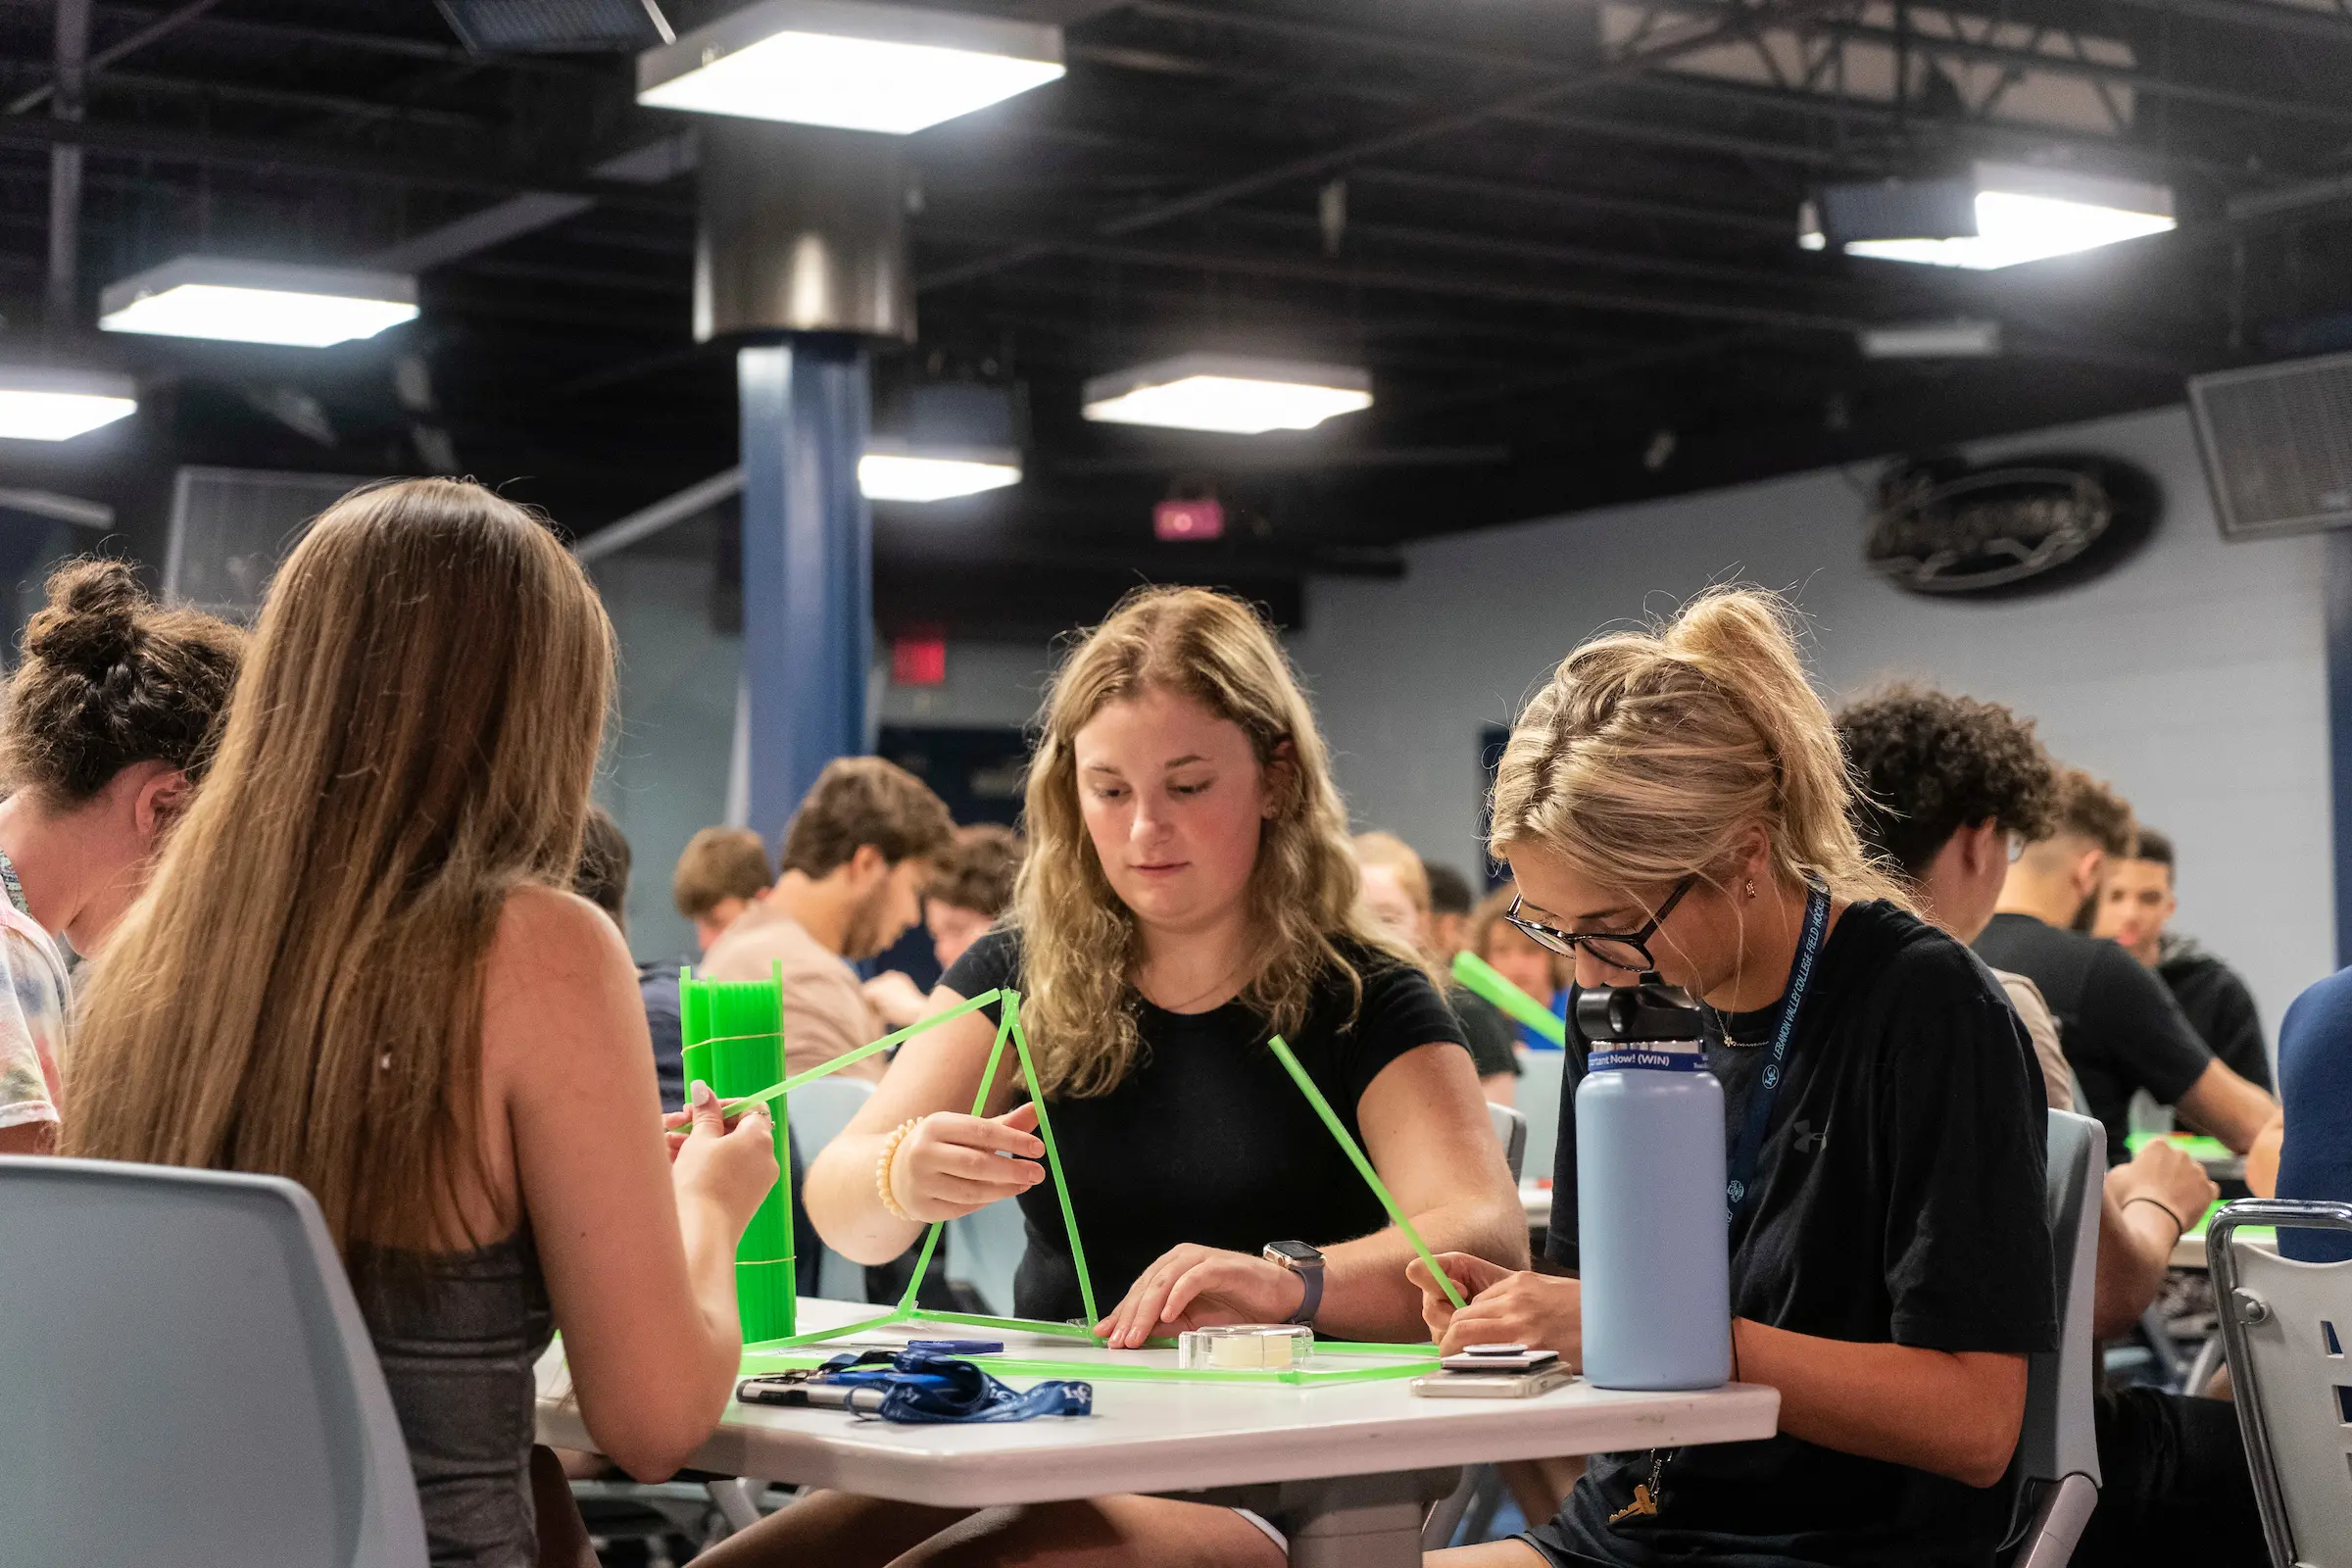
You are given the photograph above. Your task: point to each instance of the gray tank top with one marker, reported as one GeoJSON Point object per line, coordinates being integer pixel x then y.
{"type": "Point", "coordinates": [458, 1344]}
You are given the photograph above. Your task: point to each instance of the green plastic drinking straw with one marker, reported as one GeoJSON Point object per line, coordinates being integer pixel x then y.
{"type": "Point", "coordinates": [746, 1102]}
{"type": "Point", "coordinates": [1363, 1167]}
{"type": "Point", "coordinates": [1044, 1130]}
{"type": "Point", "coordinates": [1478, 976]}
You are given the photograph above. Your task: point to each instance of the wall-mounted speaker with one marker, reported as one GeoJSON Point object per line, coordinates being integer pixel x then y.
{"type": "Point", "coordinates": [2277, 445]}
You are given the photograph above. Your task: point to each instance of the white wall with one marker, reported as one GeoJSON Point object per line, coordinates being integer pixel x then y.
{"type": "Point", "coordinates": [2192, 677]}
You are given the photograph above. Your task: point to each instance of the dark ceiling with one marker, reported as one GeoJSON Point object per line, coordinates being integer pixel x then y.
{"type": "Point", "coordinates": [1560, 232]}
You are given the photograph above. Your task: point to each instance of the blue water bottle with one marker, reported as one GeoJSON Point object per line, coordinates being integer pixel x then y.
{"type": "Point", "coordinates": [1653, 1246]}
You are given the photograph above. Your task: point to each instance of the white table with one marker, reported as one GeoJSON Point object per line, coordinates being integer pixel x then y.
{"type": "Point", "coordinates": [1536, 1200]}
{"type": "Point", "coordinates": [1348, 1470]}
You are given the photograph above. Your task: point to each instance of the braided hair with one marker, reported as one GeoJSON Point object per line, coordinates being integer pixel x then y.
{"type": "Point", "coordinates": [109, 678]}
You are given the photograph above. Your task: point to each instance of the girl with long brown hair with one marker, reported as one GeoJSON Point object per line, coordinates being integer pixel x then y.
{"type": "Point", "coordinates": [1189, 891]}
{"type": "Point", "coordinates": [1674, 803]}
{"type": "Point", "coordinates": [356, 967]}
{"type": "Point", "coordinates": [108, 727]}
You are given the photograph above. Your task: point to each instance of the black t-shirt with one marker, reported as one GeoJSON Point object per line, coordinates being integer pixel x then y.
{"type": "Point", "coordinates": [1898, 1199]}
{"type": "Point", "coordinates": [1208, 1140]}
{"type": "Point", "coordinates": [2119, 1026]}
{"type": "Point", "coordinates": [1486, 1031]}
{"type": "Point", "coordinates": [2219, 1008]}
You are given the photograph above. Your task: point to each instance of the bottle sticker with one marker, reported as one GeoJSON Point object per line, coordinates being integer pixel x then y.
{"type": "Point", "coordinates": [1653, 1055]}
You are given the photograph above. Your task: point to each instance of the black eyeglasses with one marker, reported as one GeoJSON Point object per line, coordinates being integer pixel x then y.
{"type": "Point", "coordinates": [1622, 949]}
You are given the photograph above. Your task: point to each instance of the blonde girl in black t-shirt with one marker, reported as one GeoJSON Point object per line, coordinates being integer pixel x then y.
{"type": "Point", "coordinates": [1190, 890]}
{"type": "Point", "coordinates": [1668, 801]}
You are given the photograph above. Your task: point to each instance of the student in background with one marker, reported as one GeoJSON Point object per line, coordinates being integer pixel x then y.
{"type": "Point", "coordinates": [2137, 906]}
{"type": "Point", "coordinates": [1396, 891]}
{"type": "Point", "coordinates": [857, 856]}
{"type": "Point", "coordinates": [107, 732]}
{"type": "Point", "coordinates": [1674, 799]}
{"type": "Point", "coordinates": [969, 892]}
{"type": "Point", "coordinates": [722, 872]}
{"type": "Point", "coordinates": [1189, 893]}
{"type": "Point", "coordinates": [1517, 958]}
{"type": "Point", "coordinates": [1450, 902]}
{"type": "Point", "coordinates": [1947, 785]}
{"type": "Point", "coordinates": [602, 879]}
{"type": "Point", "coordinates": [446, 1047]}
{"type": "Point", "coordinates": [2121, 1029]}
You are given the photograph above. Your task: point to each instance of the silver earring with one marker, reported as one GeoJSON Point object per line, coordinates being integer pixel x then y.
{"type": "Point", "coordinates": [1752, 887]}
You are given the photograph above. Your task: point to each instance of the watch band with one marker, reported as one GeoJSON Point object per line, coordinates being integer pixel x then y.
{"type": "Point", "coordinates": [1310, 1275]}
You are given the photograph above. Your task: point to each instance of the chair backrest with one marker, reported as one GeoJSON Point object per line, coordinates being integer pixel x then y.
{"type": "Point", "coordinates": [1510, 1130]}
{"type": "Point", "coordinates": [984, 1252]}
{"type": "Point", "coordinates": [2285, 1324]}
{"type": "Point", "coordinates": [818, 1112]}
{"type": "Point", "coordinates": [186, 1377]}
{"type": "Point", "coordinates": [2057, 1439]}
{"type": "Point", "coordinates": [1539, 1099]}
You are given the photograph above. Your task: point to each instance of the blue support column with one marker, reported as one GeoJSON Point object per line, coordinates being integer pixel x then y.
{"type": "Point", "coordinates": [2339, 730]}
{"type": "Point", "coordinates": [808, 564]}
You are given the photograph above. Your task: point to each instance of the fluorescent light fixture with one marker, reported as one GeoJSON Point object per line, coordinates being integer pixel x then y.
{"type": "Point", "coordinates": [1932, 340]}
{"type": "Point", "coordinates": [258, 302]}
{"type": "Point", "coordinates": [41, 404]}
{"type": "Point", "coordinates": [890, 471]}
{"type": "Point", "coordinates": [2025, 214]}
{"type": "Point", "coordinates": [852, 64]}
{"type": "Point", "coordinates": [1227, 392]}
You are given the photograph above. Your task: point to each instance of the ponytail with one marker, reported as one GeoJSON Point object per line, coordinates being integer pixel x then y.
{"type": "Point", "coordinates": [1649, 753]}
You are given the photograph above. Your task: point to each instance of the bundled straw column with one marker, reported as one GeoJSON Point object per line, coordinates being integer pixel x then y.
{"type": "Point", "coordinates": [734, 1039]}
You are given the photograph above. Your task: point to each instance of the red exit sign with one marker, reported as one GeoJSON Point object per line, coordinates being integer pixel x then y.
{"type": "Point", "coordinates": [1188, 520]}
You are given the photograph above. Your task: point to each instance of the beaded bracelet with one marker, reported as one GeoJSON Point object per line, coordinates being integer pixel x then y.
{"type": "Point", "coordinates": [890, 1157]}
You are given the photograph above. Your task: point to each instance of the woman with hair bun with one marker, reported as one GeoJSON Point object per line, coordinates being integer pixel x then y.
{"type": "Point", "coordinates": [106, 729]}
{"type": "Point", "coordinates": [1190, 890]}
{"type": "Point", "coordinates": [1674, 801]}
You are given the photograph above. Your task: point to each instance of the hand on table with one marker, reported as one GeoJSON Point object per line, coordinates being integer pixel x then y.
{"type": "Point", "coordinates": [733, 1168]}
{"type": "Point", "coordinates": [898, 999]}
{"type": "Point", "coordinates": [2164, 1171]}
{"type": "Point", "coordinates": [951, 1165]}
{"type": "Point", "coordinates": [1194, 1287]}
{"type": "Point", "coordinates": [1508, 1307]}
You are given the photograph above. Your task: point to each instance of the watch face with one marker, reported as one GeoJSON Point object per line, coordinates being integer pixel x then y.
{"type": "Point", "coordinates": [1295, 1251]}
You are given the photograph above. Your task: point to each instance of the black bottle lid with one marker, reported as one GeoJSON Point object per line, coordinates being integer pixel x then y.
{"type": "Point", "coordinates": [1650, 1010]}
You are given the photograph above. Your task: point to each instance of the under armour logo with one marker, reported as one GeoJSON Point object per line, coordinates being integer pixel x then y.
{"type": "Point", "coordinates": [1809, 1142]}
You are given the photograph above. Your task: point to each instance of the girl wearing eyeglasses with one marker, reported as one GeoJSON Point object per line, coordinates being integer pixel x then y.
{"type": "Point", "coordinates": [1675, 802]}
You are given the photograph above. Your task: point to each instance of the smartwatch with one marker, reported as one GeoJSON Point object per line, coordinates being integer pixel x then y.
{"type": "Point", "coordinates": [1305, 1263]}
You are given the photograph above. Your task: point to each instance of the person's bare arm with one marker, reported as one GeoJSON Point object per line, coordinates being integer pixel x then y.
{"type": "Point", "coordinates": [1952, 1414]}
{"type": "Point", "coordinates": [948, 1166]}
{"type": "Point", "coordinates": [2228, 1108]}
{"type": "Point", "coordinates": [28, 1137]}
{"type": "Point", "coordinates": [639, 1256]}
{"type": "Point", "coordinates": [2262, 1160]}
{"type": "Point", "coordinates": [1875, 1399]}
{"type": "Point", "coordinates": [2143, 1210]}
{"type": "Point", "coordinates": [1427, 1132]}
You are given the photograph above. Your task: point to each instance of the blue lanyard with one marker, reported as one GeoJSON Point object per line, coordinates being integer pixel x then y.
{"type": "Point", "coordinates": [1768, 1088]}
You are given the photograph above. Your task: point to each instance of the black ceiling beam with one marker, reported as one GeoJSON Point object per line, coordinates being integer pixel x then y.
{"type": "Point", "coordinates": [1781, 226]}
{"type": "Point", "coordinates": [176, 144]}
{"type": "Point", "coordinates": [291, 98]}
{"type": "Point", "coordinates": [286, 32]}
{"type": "Point", "coordinates": [170, 21]}
{"type": "Point", "coordinates": [1441, 284]}
{"type": "Point", "coordinates": [1335, 158]}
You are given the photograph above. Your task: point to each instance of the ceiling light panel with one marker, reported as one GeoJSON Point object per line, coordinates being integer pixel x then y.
{"type": "Point", "coordinates": [41, 404]}
{"type": "Point", "coordinates": [848, 64]}
{"type": "Point", "coordinates": [1229, 393]}
{"type": "Point", "coordinates": [894, 473]}
{"type": "Point", "coordinates": [2027, 215]}
{"type": "Point", "coordinates": [258, 302]}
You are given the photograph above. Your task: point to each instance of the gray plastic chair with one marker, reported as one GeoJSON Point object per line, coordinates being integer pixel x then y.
{"type": "Point", "coordinates": [818, 1112]}
{"type": "Point", "coordinates": [1539, 1099]}
{"type": "Point", "coordinates": [186, 1378]}
{"type": "Point", "coordinates": [2285, 1324]}
{"type": "Point", "coordinates": [2058, 1446]}
{"type": "Point", "coordinates": [1510, 1130]}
